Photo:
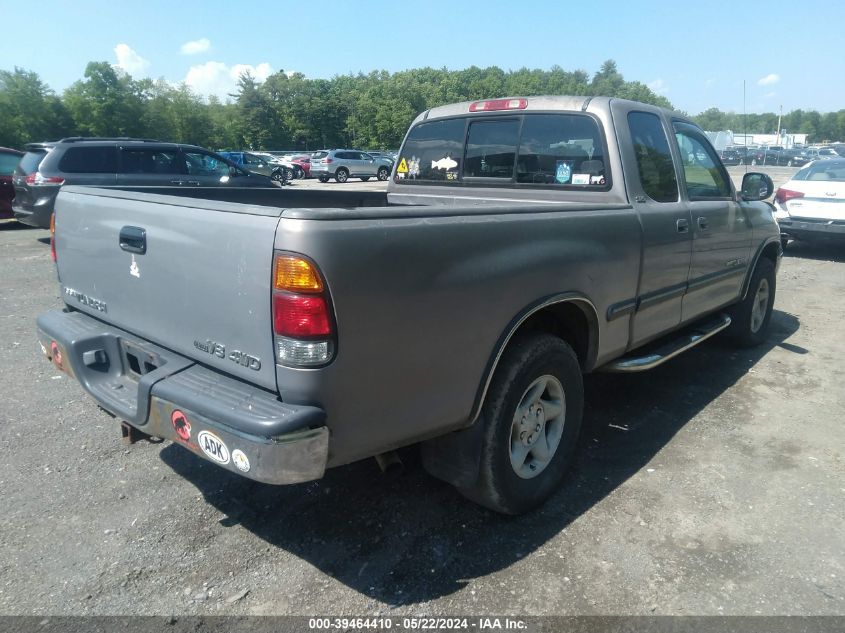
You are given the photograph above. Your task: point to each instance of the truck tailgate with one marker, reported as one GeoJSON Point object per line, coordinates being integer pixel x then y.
{"type": "Point", "coordinates": [192, 276]}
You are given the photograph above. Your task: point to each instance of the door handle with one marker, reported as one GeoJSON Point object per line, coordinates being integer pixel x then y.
{"type": "Point", "coordinates": [703, 224]}
{"type": "Point", "coordinates": [133, 239]}
{"type": "Point", "coordinates": [682, 226]}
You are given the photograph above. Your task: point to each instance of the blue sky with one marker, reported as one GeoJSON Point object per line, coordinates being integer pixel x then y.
{"type": "Point", "coordinates": [695, 54]}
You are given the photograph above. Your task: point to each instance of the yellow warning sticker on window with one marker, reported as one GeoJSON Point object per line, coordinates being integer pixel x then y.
{"type": "Point", "coordinates": [403, 167]}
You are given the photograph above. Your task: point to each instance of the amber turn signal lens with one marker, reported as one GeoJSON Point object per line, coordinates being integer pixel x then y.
{"type": "Point", "coordinates": [295, 274]}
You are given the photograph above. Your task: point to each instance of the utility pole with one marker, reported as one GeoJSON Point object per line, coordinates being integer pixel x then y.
{"type": "Point", "coordinates": [780, 115]}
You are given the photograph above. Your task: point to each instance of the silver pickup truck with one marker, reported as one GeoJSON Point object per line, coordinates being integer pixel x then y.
{"type": "Point", "coordinates": [521, 243]}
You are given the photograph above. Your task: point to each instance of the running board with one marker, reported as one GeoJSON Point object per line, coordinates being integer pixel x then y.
{"type": "Point", "coordinates": [689, 338]}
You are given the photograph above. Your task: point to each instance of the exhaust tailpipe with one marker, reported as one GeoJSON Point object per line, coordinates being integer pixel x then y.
{"type": "Point", "coordinates": [389, 462]}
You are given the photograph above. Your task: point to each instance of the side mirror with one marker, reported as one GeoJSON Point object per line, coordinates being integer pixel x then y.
{"type": "Point", "coordinates": [756, 186]}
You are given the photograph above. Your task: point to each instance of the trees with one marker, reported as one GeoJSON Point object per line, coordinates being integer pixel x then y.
{"type": "Point", "coordinates": [290, 111]}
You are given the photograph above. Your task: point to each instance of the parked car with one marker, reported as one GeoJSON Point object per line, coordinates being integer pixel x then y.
{"type": "Point", "coordinates": [811, 206]}
{"type": "Point", "coordinates": [820, 153]}
{"type": "Point", "coordinates": [116, 161]}
{"type": "Point", "coordinates": [9, 159]}
{"type": "Point", "coordinates": [793, 158]}
{"type": "Point", "coordinates": [343, 164]}
{"type": "Point", "coordinates": [303, 161]}
{"type": "Point", "coordinates": [730, 157]}
{"type": "Point", "coordinates": [458, 310]}
{"type": "Point", "coordinates": [264, 164]}
{"type": "Point", "coordinates": [766, 156]}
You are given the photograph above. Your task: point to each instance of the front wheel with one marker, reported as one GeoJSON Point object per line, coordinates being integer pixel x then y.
{"type": "Point", "coordinates": [750, 317]}
{"type": "Point", "coordinates": [531, 418]}
{"type": "Point", "coordinates": [278, 177]}
{"type": "Point", "coordinates": [383, 173]}
{"type": "Point", "coordinates": [341, 175]}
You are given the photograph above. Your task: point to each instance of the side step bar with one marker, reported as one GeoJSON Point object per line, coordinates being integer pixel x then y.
{"type": "Point", "coordinates": [689, 338]}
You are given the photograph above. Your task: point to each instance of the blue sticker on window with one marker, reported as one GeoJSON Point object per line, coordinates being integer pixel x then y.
{"type": "Point", "coordinates": [563, 172]}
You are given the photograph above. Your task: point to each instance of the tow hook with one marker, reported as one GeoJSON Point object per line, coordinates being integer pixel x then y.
{"type": "Point", "coordinates": [130, 435]}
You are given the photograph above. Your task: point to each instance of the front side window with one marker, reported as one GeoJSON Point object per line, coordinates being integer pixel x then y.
{"type": "Point", "coordinates": [702, 173]}
{"type": "Point", "coordinates": [89, 160]}
{"type": "Point", "coordinates": [654, 158]}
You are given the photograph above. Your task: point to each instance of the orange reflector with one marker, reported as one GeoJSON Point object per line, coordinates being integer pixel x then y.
{"type": "Point", "coordinates": [296, 275]}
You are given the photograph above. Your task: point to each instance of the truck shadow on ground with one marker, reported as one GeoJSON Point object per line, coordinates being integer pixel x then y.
{"type": "Point", "coordinates": [409, 539]}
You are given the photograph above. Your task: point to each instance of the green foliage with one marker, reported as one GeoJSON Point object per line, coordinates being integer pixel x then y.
{"type": "Point", "coordinates": [289, 111]}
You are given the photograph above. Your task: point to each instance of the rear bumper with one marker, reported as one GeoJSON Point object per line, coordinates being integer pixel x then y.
{"type": "Point", "coordinates": [37, 215]}
{"type": "Point", "coordinates": [812, 229]}
{"type": "Point", "coordinates": [241, 428]}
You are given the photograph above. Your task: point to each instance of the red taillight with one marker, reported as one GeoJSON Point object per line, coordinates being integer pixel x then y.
{"type": "Point", "coordinates": [301, 316]}
{"type": "Point", "coordinates": [784, 195]}
{"type": "Point", "coordinates": [38, 179]}
{"type": "Point", "coordinates": [327, 160]}
{"type": "Point", "coordinates": [498, 104]}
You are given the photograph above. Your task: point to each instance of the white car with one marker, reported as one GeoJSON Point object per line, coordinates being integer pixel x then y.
{"type": "Point", "coordinates": [811, 206]}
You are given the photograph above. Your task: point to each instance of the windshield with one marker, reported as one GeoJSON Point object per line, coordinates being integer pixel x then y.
{"type": "Point", "coordinates": [823, 170]}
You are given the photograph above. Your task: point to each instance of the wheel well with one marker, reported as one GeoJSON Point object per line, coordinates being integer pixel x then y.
{"type": "Point", "coordinates": [568, 321]}
{"type": "Point", "coordinates": [771, 251]}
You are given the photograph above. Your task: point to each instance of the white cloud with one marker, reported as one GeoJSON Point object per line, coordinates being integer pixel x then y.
{"type": "Point", "coordinates": [216, 78]}
{"type": "Point", "coordinates": [130, 61]}
{"type": "Point", "coordinates": [658, 86]}
{"type": "Point", "coordinates": [768, 80]}
{"type": "Point", "coordinates": [196, 46]}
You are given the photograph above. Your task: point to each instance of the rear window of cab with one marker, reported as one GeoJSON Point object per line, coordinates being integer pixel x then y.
{"type": "Point", "coordinates": [546, 150]}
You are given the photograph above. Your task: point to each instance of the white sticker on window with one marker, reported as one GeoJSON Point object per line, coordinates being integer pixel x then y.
{"type": "Point", "coordinates": [580, 179]}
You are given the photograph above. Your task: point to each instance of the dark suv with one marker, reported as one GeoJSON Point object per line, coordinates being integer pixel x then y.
{"type": "Point", "coordinates": [113, 162]}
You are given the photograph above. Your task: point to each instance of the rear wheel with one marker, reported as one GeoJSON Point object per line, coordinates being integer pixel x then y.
{"type": "Point", "coordinates": [341, 175]}
{"type": "Point", "coordinates": [531, 419]}
{"type": "Point", "coordinates": [750, 317]}
{"type": "Point", "coordinates": [278, 177]}
{"type": "Point", "coordinates": [383, 173]}
{"type": "Point", "coordinates": [323, 178]}
{"type": "Point", "coordinates": [365, 178]}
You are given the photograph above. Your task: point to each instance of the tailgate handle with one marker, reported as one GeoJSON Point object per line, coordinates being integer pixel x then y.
{"type": "Point", "coordinates": [133, 239]}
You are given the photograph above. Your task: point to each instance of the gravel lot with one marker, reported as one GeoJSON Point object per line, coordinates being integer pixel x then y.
{"type": "Point", "coordinates": [711, 485]}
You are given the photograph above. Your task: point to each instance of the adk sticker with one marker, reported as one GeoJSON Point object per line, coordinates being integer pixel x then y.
{"type": "Point", "coordinates": [240, 460]}
{"type": "Point", "coordinates": [580, 179]}
{"type": "Point", "coordinates": [213, 446]}
{"type": "Point", "coordinates": [563, 172]}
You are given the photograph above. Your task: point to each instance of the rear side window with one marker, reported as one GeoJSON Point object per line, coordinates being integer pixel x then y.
{"type": "Point", "coordinates": [317, 155]}
{"type": "Point", "coordinates": [8, 162]}
{"type": "Point", "coordinates": [149, 161]}
{"type": "Point", "coordinates": [30, 161]}
{"type": "Point", "coordinates": [563, 149]}
{"type": "Point", "coordinates": [654, 159]}
{"type": "Point", "coordinates": [89, 160]}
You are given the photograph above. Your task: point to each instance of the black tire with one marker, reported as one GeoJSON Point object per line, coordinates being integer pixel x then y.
{"type": "Point", "coordinates": [753, 161]}
{"type": "Point", "coordinates": [323, 178]}
{"type": "Point", "coordinates": [747, 329]}
{"type": "Point", "coordinates": [790, 164]}
{"type": "Point", "coordinates": [341, 175]}
{"type": "Point", "coordinates": [298, 172]}
{"type": "Point", "coordinates": [278, 177]}
{"type": "Point", "coordinates": [533, 358]}
{"type": "Point", "coordinates": [784, 241]}
{"type": "Point", "coordinates": [364, 178]}
{"type": "Point", "coordinates": [383, 173]}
